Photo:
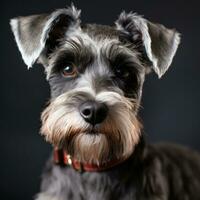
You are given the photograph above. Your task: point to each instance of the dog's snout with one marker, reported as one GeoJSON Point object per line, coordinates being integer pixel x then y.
{"type": "Point", "coordinates": [93, 112]}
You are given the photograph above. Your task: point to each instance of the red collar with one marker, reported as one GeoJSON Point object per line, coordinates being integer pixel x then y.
{"type": "Point", "coordinates": [62, 158]}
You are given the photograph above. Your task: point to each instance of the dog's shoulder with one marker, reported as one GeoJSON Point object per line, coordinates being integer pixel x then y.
{"type": "Point", "coordinates": [171, 169]}
{"type": "Point", "coordinates": [176, 153]}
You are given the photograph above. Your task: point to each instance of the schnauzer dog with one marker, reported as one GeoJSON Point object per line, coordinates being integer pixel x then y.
{"type": "Point", "coordinates": [96, 74]}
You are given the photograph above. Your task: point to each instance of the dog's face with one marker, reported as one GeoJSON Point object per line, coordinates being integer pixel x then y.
{"type": "Point", "coordinates": [96, 74]}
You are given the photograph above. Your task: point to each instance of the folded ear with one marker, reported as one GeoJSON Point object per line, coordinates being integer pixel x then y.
{"type": "Point", "coordinates": [38, 35]}
{"type": "Point", "coordinates": [159, 44]}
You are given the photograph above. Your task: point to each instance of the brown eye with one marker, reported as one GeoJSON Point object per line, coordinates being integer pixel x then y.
{"type": "Point", "coordinates": [69, 71]}
{"type": "Point", "coordinates": [123, 73]}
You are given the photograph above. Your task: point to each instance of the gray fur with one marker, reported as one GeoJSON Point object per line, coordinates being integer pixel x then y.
{"type": "Point", "coordinates": [154, 172]}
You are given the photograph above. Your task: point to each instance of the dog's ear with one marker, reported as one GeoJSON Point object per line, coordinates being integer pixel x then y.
{"type": "Point", "coordinates": [158, 43]}
{"type": "Point", "coordinates": [37, 35]}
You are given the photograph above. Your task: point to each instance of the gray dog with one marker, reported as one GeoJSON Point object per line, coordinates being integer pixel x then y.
{"type": "Point", "coordinates": [96, 74]}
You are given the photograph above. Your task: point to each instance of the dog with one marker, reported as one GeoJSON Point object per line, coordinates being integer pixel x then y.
{"type": "Point", "coordinates": [96, 73]}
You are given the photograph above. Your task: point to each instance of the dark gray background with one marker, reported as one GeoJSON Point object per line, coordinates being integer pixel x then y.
{"type": "Point", "coordinates": [170, 106]}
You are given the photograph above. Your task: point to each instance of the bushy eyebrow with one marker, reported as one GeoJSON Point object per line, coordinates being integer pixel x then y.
{"type": "Point", "coordinates": [73, 51]}
{"type": "Point", "coordinates": [118, 54]}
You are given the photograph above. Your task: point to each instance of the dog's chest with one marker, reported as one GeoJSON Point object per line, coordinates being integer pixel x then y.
{"type": "Point", "coordinates": [66, 183]}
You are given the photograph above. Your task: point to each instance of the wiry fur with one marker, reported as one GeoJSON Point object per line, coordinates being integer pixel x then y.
{"type": "Point", "coordinates": [154, 172]}
{"type": "Point", "coordinates": [111, 63]}
{"type": "Point", "coordinates": [63, 126]}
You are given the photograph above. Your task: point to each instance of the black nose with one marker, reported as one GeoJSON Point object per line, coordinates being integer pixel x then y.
{"type": "Point", "coordinates": [93, 112]}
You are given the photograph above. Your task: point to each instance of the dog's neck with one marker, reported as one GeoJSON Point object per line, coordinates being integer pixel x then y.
{"type": "Point", "coordinates": [62, 158]}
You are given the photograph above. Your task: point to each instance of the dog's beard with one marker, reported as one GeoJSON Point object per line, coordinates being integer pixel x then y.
{"type": "Point", "coordinates": [114, 138]}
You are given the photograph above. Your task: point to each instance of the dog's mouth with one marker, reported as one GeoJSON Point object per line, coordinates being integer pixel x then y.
{"type": "Point", "coordinates": [99, 129]}
{"type": "Point", "coordinates": [94, 130]}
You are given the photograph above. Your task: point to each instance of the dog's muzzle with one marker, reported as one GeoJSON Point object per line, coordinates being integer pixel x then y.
{"type": "Point", "coordinates": [92, 129]}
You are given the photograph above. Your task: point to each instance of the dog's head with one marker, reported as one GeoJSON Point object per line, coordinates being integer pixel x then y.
{"type": "Point", "coordinates": [96, 75]}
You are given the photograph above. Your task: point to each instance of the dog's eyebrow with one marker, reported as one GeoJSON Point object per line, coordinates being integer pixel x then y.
{"type": "Point", "coordinates": [118, 54]}
{"type": "Point", "coordinates": [73, 51]}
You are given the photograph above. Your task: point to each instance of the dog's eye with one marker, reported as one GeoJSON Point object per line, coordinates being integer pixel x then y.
{"type": "Point", "coordinates": [69, 71]}
{"type": "Point", "coordinates": [123, 73]}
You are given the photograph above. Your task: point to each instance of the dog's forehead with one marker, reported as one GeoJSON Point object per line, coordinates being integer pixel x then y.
{"type": "Point", "coordinates": [93, 43]}
{"type": "Point", "coordinates": [94, 36]}
{"type": "Point", "coordinates": [100, 31]}
{"type": "Point", "coordinates": [97, 50]}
